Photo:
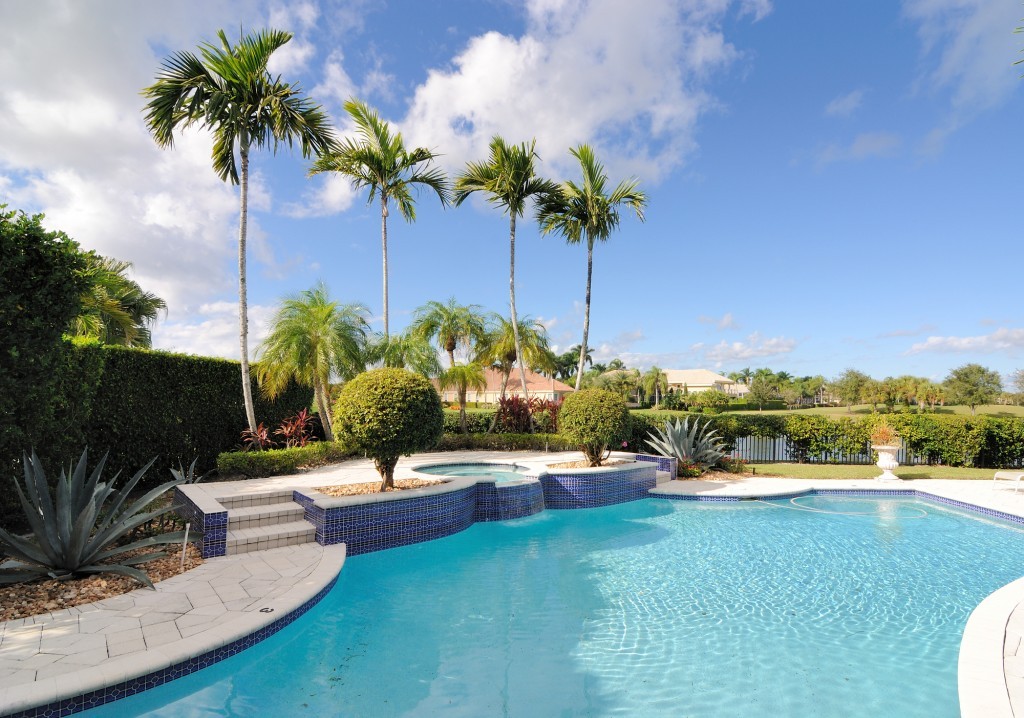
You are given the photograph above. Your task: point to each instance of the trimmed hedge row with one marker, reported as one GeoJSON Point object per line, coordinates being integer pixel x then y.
{"type": "Point", "coordinates": [983, 441]}
{"type": "Point", "coordinates": [257, 464]}
{"type": "Point", "coordinates": [504, 442]}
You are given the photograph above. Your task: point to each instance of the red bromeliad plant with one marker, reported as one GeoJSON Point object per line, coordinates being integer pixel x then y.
{"type": "Point", "coordinates": [513, 415]}
{"type": "Point", "coordinates": [257, 439]}
{"type": "Point", "coordinates": [295, 430]}
{"type": "Point", "coordinates": [545, 414]}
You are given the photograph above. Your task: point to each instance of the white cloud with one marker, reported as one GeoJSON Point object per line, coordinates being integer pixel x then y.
{"type": "Point", "coordinates": [631, 83]}
{"type": "Point", "coordinates": [617, 347]}
{"type": "Point", "coordinates": [1001, 340]}
{"type": "Point", "coordinates": [864, 146]}
{"type": "Point", "coordinates": [754, 347]}
{"type": "Point", "coordinates": [845, 105]}
{"type": "Point", "coordinates": [726, 321]}
{"type": "Point", "coordinates": [968, 50]}
{"type": "Point", "coordinates": [213, 330]}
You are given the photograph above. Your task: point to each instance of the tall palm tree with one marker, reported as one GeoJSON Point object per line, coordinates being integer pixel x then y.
{"type": "Point", "coordinates": [115, 309]}
{"type": "Point", "coordinates": [378, 160]}
{"type": "Point", "coordinates": [312, 338]}
{"type": "Point", "coordinates": [405, 351]}
{"type": "Point", "coordinates": [509, 179]}
{"type": "Point", "coordinates": [462, 378]}
{"type": "Point", "coordinates": [452, 324]}
{"type": "Point", "coordinates": [499, 350]}
{"type": "Point", "coordinates": [230, 92]}
{"type": "Point", "coordinates": [655, 381]}
{"type": "Point", "coordinates": [588, 212]}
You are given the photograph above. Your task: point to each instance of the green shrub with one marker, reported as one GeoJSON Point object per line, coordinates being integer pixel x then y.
{"type": "Point", "coordinates": [275, 462]}
{"type": "Point", "coordinates": [504, 442]}
{"type": "Point", "coordinates": [388, 413]}
{"type": "Point", "coordinates": [478, 421]}
{"type": "Point", "coordinates": [593, 419]}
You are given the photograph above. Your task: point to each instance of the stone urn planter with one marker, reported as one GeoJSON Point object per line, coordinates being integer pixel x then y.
{"type": "Point", "coordinates": [886, 442]}
{"type": "Point", "coordinates": [886, 461]}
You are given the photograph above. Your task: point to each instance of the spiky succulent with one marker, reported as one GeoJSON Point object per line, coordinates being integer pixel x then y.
{"type": "Point", "coordinates": [695, 445]}
{"type": "Point", "coordinates": [74, 531]}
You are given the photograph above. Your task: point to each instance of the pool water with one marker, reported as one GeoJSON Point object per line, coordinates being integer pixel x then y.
{"type": "Point", "coordinates": [818, 606]}
{"type": "Point", "coordinates": [498, 472]}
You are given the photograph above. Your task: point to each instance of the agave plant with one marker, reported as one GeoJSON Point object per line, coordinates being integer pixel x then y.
{"type": "Point", "coordinates": [697, 445]}
{"type": "Point", "coordinates": [76, 531]}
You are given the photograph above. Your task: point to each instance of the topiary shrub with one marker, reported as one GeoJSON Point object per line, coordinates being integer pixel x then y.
{"type": "Point", "coordinates": [388, 413]}
{"type": "Point", "coordinates": [593, 419]}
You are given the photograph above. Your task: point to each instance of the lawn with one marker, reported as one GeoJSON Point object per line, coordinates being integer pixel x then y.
{"type": "Point", "coordinates": [997, 410]}
{"type": "Point", "coordinates": [846, 471]}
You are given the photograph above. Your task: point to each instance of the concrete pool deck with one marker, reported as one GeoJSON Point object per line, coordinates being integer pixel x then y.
{"type": "Point", "coordinates": [68, 653]}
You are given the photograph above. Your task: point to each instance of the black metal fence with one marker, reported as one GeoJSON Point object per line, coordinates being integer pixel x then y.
{"type": "Point", "coordinates": [771, 449]}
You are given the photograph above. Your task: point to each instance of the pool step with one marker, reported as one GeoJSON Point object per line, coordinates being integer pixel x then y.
{"type": "Point", "coordinates": [663, 476]}
{"type": "Point", "coordinates": [265, 520]}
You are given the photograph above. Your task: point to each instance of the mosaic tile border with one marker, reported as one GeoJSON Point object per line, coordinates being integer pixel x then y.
{"type": "Point", "coordinates": [124, 689]}
{"type": "Point", "coordinates": [585, 489]}
{"type": "Point", "coordinates": [665, 463]}
{"type": "Point", "coordinates": [213, 525]}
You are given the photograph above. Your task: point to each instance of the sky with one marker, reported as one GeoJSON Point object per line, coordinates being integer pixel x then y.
{"type": "Point", "coordinates": [831, 184]}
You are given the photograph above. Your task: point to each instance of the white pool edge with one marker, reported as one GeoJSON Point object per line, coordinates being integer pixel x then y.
{"type": "Point", "coordinates": [981, 675]}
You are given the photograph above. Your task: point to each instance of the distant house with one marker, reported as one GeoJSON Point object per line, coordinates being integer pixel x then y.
{"type": "Point", "coordinates": [539, 386]}
{"type": "Point", "coordinates": [694, 380]}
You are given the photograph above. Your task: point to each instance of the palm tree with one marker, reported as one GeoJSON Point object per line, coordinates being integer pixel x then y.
{"type": "Point", "coordinates": [311, 339]}
{"type": "Point", "coordinates": [655, 381]}
{"type": "Point", "coordinates": [499, 349]}
{"type": "Point", "coordinates": [452, 324]}
{"type": "Point", "coordinates": [462, 378]}
{"type": "Point", "coordinates": [509, 179]}
{"type": "Point", "coordinates": [231, 92]}
{"type": "Point", "coordinates": [405, 351]}
{"type": "Point", "coordinates": [588, 212]}
{"type": "Point", "coordinates": [378, 160]}
{"type": "Point", "coordinates": [115, 309]}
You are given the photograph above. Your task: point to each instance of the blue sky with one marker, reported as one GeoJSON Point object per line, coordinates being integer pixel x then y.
{"type": "Point", "coordinates": [830, 184]}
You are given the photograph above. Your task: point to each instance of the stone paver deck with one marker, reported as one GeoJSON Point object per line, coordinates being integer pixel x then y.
{"type": "Point", "coordinates": [71, 652]}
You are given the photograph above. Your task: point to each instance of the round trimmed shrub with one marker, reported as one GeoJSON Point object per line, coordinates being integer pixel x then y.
{"type": "Point", "coordinates": [388, 413]}
{"type": "Point", "coordinates": [593, 419]}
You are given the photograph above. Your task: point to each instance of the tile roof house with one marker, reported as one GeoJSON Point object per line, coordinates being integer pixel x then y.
{"type": "Point", "coordinates": [539, 386]}
{"type": "Point", "coordinates": [694, 380]}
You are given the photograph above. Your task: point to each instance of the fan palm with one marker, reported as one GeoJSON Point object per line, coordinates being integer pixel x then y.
{"type": "Point", "coordinates": [115, 309]}
{"type": "Point", "coordinates": [378, 160]}
{"type": "Point", "coordinates": [499, 350]}
{"type": "Point", "coordinates": [462, 378]}
{"type": "Point", "coordinates": [509, 179]}
{"type": "Point", "coordinates": [452, 324]}
{"type": "Point", "coordinates": [230, 92]}
{"type": "Point", "coordinates": [588, 212]}
{"type": "Point", "coordinates": [311, 338]}
{"type": "Point", "coordinates": [404, 351]}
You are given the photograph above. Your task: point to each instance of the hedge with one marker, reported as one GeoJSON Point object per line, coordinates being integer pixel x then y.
{"type": "Point", "coordinates": [983, 441]}
{"type": "Point", "coordinates": [275, 462]}
{"type": "Point", "coordinates": [137, 404]}
{"type": "Point", "coordinates": [478, 421]}
{"type": "Point", "coordinates": [503, 442]}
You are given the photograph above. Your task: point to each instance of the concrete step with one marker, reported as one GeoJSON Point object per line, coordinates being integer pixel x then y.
{"type": "Point", "coordinates": [259, 538]}
{"type": "Point", "coordinates": [663, 476]}
{"type": "Point", "coordinates": [238, 501]}
{"type": "Point", "coordinates": [263, 515]}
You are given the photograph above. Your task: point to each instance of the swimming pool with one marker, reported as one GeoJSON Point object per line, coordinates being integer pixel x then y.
{"type": "Point", "coordinates": [819, 605]}
{"type": "Point", "coordinates": [499, 472]}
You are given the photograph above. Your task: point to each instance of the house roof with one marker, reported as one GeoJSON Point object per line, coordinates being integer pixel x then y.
{"type": "Point", "coordinates": [696, 377]}
{"type": "Point", "coordinates": [534, 382]}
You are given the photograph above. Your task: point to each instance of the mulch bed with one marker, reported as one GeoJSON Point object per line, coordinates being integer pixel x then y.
{"type": "Point", "coordinates": [373, 487]}
{"type": "Point", "coordinates": [21, 600]}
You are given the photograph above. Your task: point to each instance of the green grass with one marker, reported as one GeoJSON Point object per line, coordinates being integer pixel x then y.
{"type": "Point", "coordinates": [997, 410]}
{"type": "Point", "coordinates": [846, 471]}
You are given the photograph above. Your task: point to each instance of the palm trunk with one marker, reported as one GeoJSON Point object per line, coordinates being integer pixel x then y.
{"type": "Point", "coordinates": [586, 313]}
{"type": "Point", "coordinates": [384, 250]}
{"type": "Point", "coordinates": [462, 410]}
{"type": "Point", "coordinates": [243, 307]}
{"type": "Point", "coordinates": [320, 395]}
{"type": "Point", "coordinates": [512, 305]}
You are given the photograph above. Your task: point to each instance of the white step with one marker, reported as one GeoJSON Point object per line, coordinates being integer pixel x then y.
{"type": "Point", "coordinates": [260, 538]}
{"type": "Point", "coordinates": [263, 515]}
